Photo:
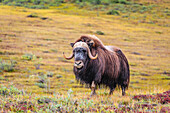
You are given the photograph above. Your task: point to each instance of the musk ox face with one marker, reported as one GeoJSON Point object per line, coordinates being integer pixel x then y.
{"type": "Point", "coordinates": [81, 54]}
{"type": "Point", "coordinates": [80, 57]}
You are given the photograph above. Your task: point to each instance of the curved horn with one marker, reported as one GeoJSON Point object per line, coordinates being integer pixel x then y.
{"type": "Point", "coordinates": [68, 58]}
{"type": "Point", "coordinates": [90, 55]}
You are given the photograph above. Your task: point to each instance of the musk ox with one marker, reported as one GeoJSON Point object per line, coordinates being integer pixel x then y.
{"type": "Point", "coordinates": [96, 64]}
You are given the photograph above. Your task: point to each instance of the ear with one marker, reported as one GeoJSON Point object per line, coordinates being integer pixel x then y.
{"type": "Point", "coordinates": [72, 44]}
{"type": "Point", "coordinates": [90, 45]}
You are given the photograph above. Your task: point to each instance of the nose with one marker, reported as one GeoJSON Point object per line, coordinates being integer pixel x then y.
{"type": "Point", "coordinates": [78, 64]}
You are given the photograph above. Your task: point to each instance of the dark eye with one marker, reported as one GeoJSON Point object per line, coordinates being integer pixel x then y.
{"type": "Point", "coordinates": [84, 51]}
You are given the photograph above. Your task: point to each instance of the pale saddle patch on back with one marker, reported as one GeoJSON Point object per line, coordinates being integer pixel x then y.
{"type": "Point", "coordinates": [112, 48]}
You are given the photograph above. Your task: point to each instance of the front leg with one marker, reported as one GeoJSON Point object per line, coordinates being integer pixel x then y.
{"type": "Point", "coordinates": [93, 88]}
{"type": "Point", "coordinates": [96, 80]}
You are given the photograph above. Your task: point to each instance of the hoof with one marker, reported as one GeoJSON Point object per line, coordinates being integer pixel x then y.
{"type": "Point", "coordinates": [93, 94]}
{"type": "Point", "coordinates": [111, 93]}
{"type": "Point", "coordinates": [123, 94]}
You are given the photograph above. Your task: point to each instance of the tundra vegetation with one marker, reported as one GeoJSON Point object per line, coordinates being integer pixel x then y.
{"type": "Point", "coordinates": [35, 77]}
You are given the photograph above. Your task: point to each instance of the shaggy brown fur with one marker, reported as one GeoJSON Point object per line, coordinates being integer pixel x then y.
{"type": "Point", "coordinates": [111, 68]}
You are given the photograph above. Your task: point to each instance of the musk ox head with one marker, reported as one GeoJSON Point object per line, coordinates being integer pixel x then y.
{"type": "Point", "coordinates": [81, 53]}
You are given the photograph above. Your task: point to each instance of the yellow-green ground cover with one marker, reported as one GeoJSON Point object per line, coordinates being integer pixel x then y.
{"type": "Point", "coordinates": [33, 47]}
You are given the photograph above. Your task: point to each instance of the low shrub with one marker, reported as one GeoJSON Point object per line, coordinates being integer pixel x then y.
{"type": "Point", "coordinates": [44, 81]}
{"type": "Point", "coordinates": [33, 15]}
{"type": "Point", "coordinates": [37, 6]}
{"type": "Point", "coordinates": [9, 91]}
{"type": "Point", "coordinates": [41, 85]}
{"type": "Point", "coordinates": [96, 2]}
{"type": "Point", "coordinates": [113, 12]}
{"type": "Point", "coordinates": [99, 32]}
{"type": "Point", "coordinates": [123, 2]}
{"type": "Point", "coordinates": [7, 66]}
{"type": "Point", "coordinates": [28, 56]}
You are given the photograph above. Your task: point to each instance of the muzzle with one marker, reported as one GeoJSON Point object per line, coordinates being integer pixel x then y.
{"type": "Point", "coordinates": [78, 64]}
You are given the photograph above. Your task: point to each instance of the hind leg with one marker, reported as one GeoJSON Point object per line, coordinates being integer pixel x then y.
{"type": "Point", "coordinates": [123, 89]}
{"type": "Point", "coordinates": [112, 88]}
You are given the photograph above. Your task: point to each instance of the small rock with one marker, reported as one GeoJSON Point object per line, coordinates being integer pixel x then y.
{"type": "Point", "coordinates": [136, 53]}
{"type": "Point", "coordinates": [44, 18]}
{"type": "Point", "coordinates": [59, 76]}
{"type": "Point", "coordinates": [144, 79]}
{"type": "Point", "coordinates": [46, 52]}
{"type": "Point", "coordinates": [144, 74]}
{"type": "Point", "coordinates": [134, 82]}
{"type": "Point", "coordinates": [33, 15]}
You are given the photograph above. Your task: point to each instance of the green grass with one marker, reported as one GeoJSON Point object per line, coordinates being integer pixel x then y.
{"type": "Point", "coordinates": [19, 101]}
